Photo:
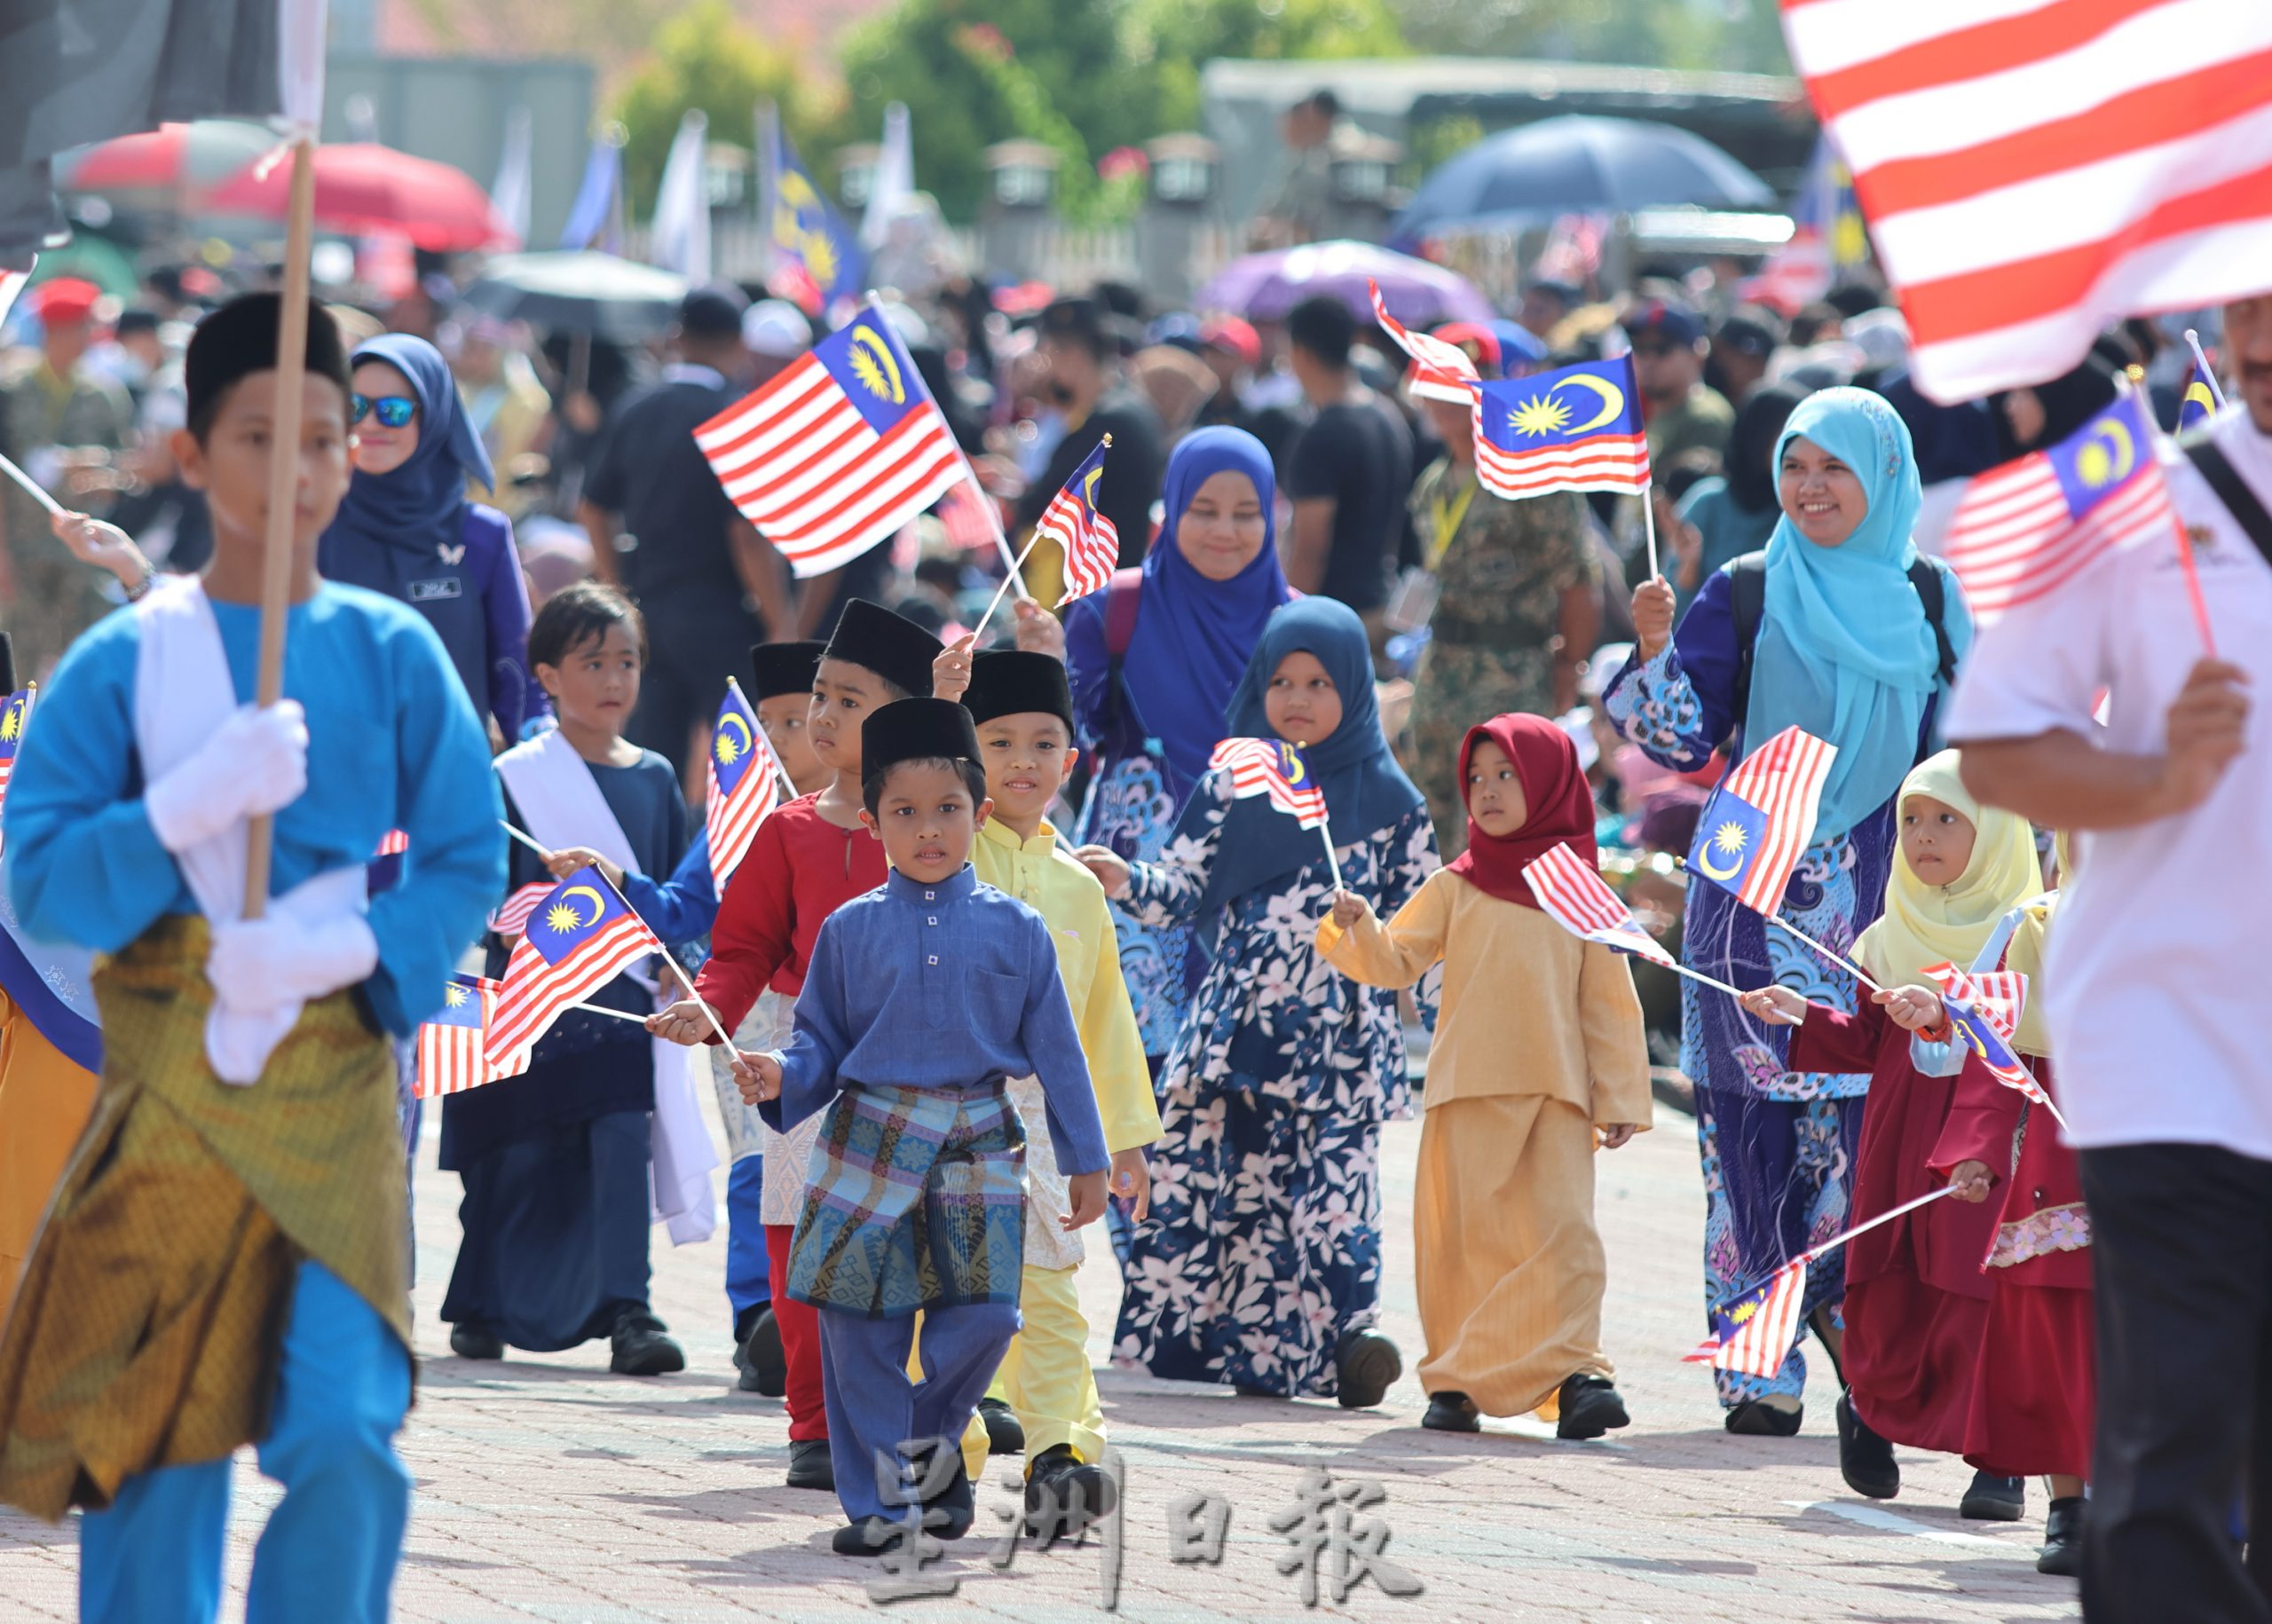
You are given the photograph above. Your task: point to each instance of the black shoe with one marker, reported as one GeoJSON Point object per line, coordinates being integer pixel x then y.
{"type": "Point", "coordinates": [2062, 1539]}
{"type": "Point", "coordinates": [472, 1340]}
{"type": "Point", "coordinates": [764, 1366]}
{"type": "Point", "coordinates": [867, 1536]}
{"type": "Point", "coordinates": [1064, 1495]}
{"type": "Point", "coordinates": [1453, 1411]}
{"type": "Point", "coordinates": [1248, 1389]}
{"type": "Point", "coordinates": [809, 1467]}
{"type": "Point", "coordinates": [640, 1348]}
{"type": "Point", "coordinates": [1993, 1499]}
{"type": "Point", "coordinates": [949, 1512]}
{"type": "Point", "coordinates": [1753, 1419]}
{"type": "Point", "coordinates": [1590, 1407]}
{"type": "Point", "coordinates": [1004, 1433]}
{"type": "Point", "coordinates": [1366, 1362]}
{"type": "Point", "coordinates": [1864, 1460]}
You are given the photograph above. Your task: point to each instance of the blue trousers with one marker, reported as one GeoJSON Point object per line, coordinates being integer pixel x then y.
{"type": "Point", "coordinates": [874, 1409]}
{"type": "Point", "coordinates": [330, 1547]}
{"type": "Point", "coordinates": [746, 1286]}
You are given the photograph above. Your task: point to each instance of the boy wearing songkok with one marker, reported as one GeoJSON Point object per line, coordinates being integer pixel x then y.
{"type": "Point", "coordinates": [923, 997]}
{"type": "Point", "coordinates": [224, 1261]}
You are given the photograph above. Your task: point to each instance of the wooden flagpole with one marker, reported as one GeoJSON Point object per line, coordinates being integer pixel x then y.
{"type": "Point", "coordinates": [283, 484]}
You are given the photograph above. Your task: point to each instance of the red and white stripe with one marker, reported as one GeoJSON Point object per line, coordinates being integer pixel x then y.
{"type": "Point", "coordinates": [2011, 542]}
{"type": "Point", "coordinates": [453, 1059]}
{"type": "Point", "coordinates": [731, 821]}
{"type": "Point", "coordinates": [1784, 779]}
{"type": "Point", "coordinates": [1999, 995]}
{"type": "Point", "coordinates": [803, 465]}
{"type": "Point", "coordinates": [534, 993]}
{"type": "Point", "coordinates": [1255, 769]}
{"type": "Point", "coordinates": [511, 918]}
{"type": "Point", "coordinates": [2034, 170]}
{"type": "Point", "coordinates": [1762, 1342]}
{"type": "Point", "coordinates": [393, 843]}
{"type": "Point", "coordinates": [1091, 544]}
{"type": "Point", "coordinates": [1573, 893]}
{"type": "Point", "coordinates": [1440, 371]}
{"type": "Point", "coordinates": [1606, 462]}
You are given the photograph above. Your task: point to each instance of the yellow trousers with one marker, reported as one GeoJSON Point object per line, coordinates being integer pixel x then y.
{"type": "Point", "coordinates": [44, 1102]}
{"type": "Point", "coordinates": [1046, 1377]}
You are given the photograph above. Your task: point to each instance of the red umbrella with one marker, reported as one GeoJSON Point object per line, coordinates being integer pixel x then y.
{"type": "Point", "coordinates": [362, 187]}
{"type": "Point", "coordinates": [160, 162]}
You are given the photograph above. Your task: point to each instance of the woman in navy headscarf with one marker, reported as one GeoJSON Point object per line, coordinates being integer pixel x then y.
{"type": "Point", "coordinates": [408, 529]}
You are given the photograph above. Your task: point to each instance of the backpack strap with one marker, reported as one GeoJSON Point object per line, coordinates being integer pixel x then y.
{"type": "Point", "coordinates": [1929, 578]}
{"type": "Point", "coordinates": [1748, 601]}
{"type": "Point", "coordinates": [1124, 595]}
{"type": "Point", "coordinates": [2231, 490]}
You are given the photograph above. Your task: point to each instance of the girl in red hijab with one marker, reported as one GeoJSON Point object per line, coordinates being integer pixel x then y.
{"type": "Point", "coordinates": [1539, 1056]}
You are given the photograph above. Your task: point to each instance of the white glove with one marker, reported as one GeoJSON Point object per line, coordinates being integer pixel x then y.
{"type": "Point", "coordinates": [257, 761]}
{"type": "Point", "coordinates": [279, 962]}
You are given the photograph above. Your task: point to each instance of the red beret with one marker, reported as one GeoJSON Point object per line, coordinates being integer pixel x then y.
{"type": "Point", "coordinates": [64, 300]}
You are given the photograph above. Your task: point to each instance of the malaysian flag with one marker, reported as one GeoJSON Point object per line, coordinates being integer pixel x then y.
{"type": "Point", "coordinates": [744, 783]}
{"type": "Point", "coordinates": [383, 873]}
{"type": "Point", "coordinates": [1983, 1009]}
{"type": "Point", "coordinates": [1752, 1333]}
{"type": "Point", "coordinates": [452, 1045]}
{"type": "Point", "coordinates": [14, 718]}
{"type": "Point", "coordinates": [580, 938]}
{"type": "Point", "coordinates": [1574, 429]}
{"type": "Point", "coordinates": [2199, 404]}
{"type": "Point", "coordinates": [1071, 520]}
{"type": "Point", "coordinates": [1760, 820]}
{"type": "Point", "coordinates": [1827, 238]}
{"type": "Point", "coordinates": [1574, 895]}
{"type": "Point", "coordinates": [838, 451]}
{"type": "Point", "coordinates": [2024, 531]}
{"type": "Point", "coordinates": [511, 918]}
{"type": "Point", "coordinates": [962, 511]}
{"type": "Point", "coordinates": [1440, 370]}
{"type": "Point", "coordinates": [1268, 767]}
{"type": "Point", "coordinates": [2034, 171]}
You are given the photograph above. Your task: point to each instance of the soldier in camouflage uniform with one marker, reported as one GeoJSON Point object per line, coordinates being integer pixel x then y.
{"type": "Point", "coordinates": [49, 403]}
{"type": "Point", "coordinates": [1504, 570]}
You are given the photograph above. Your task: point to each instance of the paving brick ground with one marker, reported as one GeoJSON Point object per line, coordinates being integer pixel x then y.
{"type": "Point", "coordinates": [549, 1490]}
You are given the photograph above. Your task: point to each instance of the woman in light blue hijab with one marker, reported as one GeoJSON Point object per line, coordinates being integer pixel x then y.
{"type": "Point", "coordinates": [1839, 628]}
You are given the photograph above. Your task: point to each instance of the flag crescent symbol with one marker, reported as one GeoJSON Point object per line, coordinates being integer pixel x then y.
{"type": "Point", "coordinates": [1704, 864]}
{"type": "Point", "coordinates": [733, 719]}
{"type": "Point", "coordinates": [599, 904]}
{"type": "Point", "coordinates": [866, 339]}
{"type": "Point", "coordinates": [1613, 400]}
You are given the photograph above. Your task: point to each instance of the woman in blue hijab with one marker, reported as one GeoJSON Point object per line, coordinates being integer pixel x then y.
{"type": "Point", "coordinates": [1854, 639]}
{"type": "Point", "coordinates": [1260, 1265]}
{"type": "Point", "coordinates": [408, 529]}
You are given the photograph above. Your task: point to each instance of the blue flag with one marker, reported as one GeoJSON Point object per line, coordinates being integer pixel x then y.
{"type": "Point", "coordinates": [2200, 402]}
{"type": "Point", "coordinates": [816, 255]}
{"type": "Point", "coordinates": [591, 218]}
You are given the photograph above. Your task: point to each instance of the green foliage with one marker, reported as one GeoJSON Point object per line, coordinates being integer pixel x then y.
{"type": "Point", "coordinates": [1690, 34]}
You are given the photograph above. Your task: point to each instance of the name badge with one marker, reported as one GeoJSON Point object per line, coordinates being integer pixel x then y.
{"type": "Point", "coordinates": [432, 591]}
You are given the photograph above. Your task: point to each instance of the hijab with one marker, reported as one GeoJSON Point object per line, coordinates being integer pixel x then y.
{"type": "Point", "coordinates": [1365, 790]}
{"type": "Point", "coordinates": [1930, 924]}
{"type": "Point", "coordinates": [421, 506]}
{"type": "Point", "coordinates": [1844, 649]}
{"type": "Point", "coordinates": [1194, 636]}
{"type": "Point", "coordinates": [1561, 802]}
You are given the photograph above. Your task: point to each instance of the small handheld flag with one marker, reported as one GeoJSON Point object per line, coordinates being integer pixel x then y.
{"type": "Point", "coordinates": [2200, 402]}
{"type": "Point", "coordinates": [1574, 429]}
{"type": "Point", "coordinates": [452, 1045]}
{"type": "Point", "coordinates": [1440, 370]}
{"type": "Point", "coordinates": [1983, 1011]}
{"type": "Point", "coordinates": [14, 717]}
{"type": "Point", "coordinates": [744, 783]}
{"type": "Point", "coordinates": [1091, 542]}
{"type": "Point", "coordinates": [1270, 766]}
{"type": "Point", "coordinates": [383, 873]}
{"type": "Point", "coordinates": [581, 936]}
{"type": "Point", "coordinates": [511, 918]}
{"type": "Point", "coordinates": [1574, 895]}
{"type": "Point", "coordinates": [1760, 820]}
{"type": "Point", "coordinates": [1752, 1333]}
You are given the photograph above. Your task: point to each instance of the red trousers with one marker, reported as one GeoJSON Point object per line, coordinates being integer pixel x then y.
{"type": "Point", "coordinates": [800, 1324]}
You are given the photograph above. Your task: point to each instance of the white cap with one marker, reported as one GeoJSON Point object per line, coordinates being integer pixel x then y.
{"type": "Point", "coordinates": [776, 328]}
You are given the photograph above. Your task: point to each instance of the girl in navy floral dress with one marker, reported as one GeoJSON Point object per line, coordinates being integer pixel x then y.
{"type": "Point", "coordinates": [1261, 1264]}
{"type": "Point", "coordinates": [1845, 649]}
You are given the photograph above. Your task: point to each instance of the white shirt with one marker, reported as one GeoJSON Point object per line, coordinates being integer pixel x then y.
{"type": "Point", "coordinates": [2155, 974]}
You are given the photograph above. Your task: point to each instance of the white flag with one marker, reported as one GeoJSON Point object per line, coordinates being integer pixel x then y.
{"type": "Point", "coordinates": [511, 193]}
{"type": "Point", "coordinates": [894, 179]}
{"type": "Point", "coordinates": [680, 241]}
{"type": "Point", "coordinates": [300, 30]}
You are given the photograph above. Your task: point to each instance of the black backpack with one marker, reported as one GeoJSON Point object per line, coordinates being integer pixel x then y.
{"type": "Point", "coordinates": [1748, 597]}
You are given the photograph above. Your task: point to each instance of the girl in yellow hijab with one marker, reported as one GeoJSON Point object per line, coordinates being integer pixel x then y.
{"type": "Point", "coordinates": [1916, 1302]}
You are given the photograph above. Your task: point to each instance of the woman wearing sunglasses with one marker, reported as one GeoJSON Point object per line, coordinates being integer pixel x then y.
{"type": "Point", "coordinates": [408, 529]}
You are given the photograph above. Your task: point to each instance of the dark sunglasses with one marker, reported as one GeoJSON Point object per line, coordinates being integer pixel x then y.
{"type": "Point", "coordinates": [394, 410]}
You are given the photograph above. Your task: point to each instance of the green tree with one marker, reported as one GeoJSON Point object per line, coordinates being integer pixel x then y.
{"type": "Point", "coordinates": [1691, 34]}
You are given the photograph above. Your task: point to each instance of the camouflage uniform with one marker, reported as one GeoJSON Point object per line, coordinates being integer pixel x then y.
{"type": "Point", "coordinates": [51, 596]}
{"type": "Point", "coordinates": [1490, 646]}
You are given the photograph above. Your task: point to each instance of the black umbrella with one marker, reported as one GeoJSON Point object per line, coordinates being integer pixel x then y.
{"type": "Point", "coordinates": [580, 292]}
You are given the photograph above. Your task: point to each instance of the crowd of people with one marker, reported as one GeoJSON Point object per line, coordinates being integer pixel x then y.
{"type": "Point", "coordinates": [1016, 940]}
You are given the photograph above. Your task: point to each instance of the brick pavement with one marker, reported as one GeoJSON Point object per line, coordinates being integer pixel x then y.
{"type": "Point", "coordinates": [550, 1491]}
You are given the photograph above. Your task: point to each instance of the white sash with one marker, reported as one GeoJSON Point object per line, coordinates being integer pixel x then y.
{"type": "Point", "coordinates": [182, 693]}
{"type": "Point", "coordinates": [561, 802]}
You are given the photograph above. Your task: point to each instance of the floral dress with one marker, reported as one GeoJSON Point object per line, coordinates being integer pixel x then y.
{"type": "Point", "coordinates": [1262, 1247]}
{"type": "Point", "coordinates": [1778, 1146]}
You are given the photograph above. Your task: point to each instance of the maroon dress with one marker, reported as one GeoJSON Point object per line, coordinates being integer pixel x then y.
{"type": "Point", "coordinates": [1916, 1300]}
{"type": "Point", "coordinates": [2035, 1390]}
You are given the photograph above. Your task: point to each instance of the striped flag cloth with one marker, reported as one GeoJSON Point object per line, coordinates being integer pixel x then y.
{"type": "Point", "coordinates": [511, 918]}
{"type": "Point", "coordinates": [383, 873]}
{"type": "Point", "coordinates": [1984, 1008]}
{"type": "Point", "coordinates": [1270, 766]}
{"type": "Point", "coordinates": [1760, 820]}
{"type": "Point", "coordinates": [14, 717]}
{"type": "Point", "coordinates": [838, 451]}
{"type": "Point", "coordinates": [2022, 531]}
{"type": "Point", "coordinates": [1440, 370]}
{"type": "Point", "coordinates": [1752, 1333]}
{"type": "Point", "coordinates": [1091, 542]}
{"type": "Point", "coordinates": [962, 512]}
{"type": "Point", "coordinates": [1574, 428]}
{"type": "Point", "coordinates": [1574, 895]}
{"type": "Point", "coordinates": [452, 1045]}
{"type": "Point", "coordinates": [580, 937]}
{"type": "Point", "coordinates": [744, 783]}
{"type": "Point", "coordinates": [2199, 404]}
{"type": "Point", "coordinates": [2035, 170]}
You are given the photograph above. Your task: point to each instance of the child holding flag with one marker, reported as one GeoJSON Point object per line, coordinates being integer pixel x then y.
{"type": "Point", "coordinates": [557, 1161]}
{"type": "Point", "coordinates": [806, 861]}
{"type": "Point", "coordinates": [1916, 1300]}
{"type": "Point", "coordinates": [224, 1263]}
{"type": "Point", "coordinates": [1261, 1265]}
{"type": "Point", "coordinates": [1539, 1047]}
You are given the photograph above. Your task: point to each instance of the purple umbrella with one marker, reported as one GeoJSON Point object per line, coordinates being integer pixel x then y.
{"type": "Point", "coordinates": [1264, 286]}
